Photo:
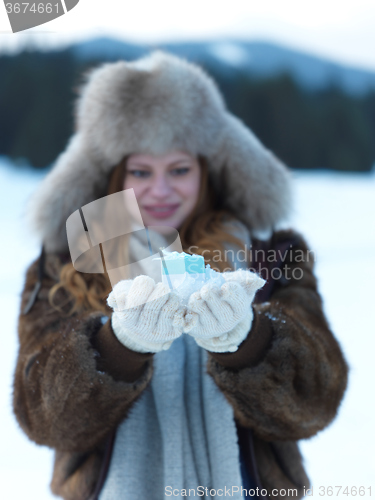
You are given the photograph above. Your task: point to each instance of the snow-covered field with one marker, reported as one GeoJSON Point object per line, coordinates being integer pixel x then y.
{"type": "Point", "coordinates": [336, 213]}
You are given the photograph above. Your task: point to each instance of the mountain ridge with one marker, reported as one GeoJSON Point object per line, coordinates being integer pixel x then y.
{"type": "Point", "coordinates": [259, 59]}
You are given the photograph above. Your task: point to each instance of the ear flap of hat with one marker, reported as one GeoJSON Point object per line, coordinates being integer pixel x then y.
{"type": "Point", "coordinates": [74, 181]}
{"type": "Point", "coordinates": [255, 185]}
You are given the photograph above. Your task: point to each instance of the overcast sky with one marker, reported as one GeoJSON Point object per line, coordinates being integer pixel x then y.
{"type": "Point", "coordinates": [341, 30]}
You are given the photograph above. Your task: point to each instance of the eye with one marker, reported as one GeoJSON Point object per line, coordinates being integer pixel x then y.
{"type": "Point", "coordinates": [180, 171]}
{"type": "Point", "coordinates": [140, 174]}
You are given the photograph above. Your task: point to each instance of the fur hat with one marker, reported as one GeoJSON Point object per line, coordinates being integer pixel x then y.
{"type": "Point", "coordinates": [154, 105]}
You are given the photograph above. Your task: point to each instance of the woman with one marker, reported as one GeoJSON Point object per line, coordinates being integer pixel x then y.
{"type": "Point", "coordinates": [199, 406]}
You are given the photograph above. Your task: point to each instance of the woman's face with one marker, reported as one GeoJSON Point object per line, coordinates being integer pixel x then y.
{"type": "Point", "coordinates": [166, 187]}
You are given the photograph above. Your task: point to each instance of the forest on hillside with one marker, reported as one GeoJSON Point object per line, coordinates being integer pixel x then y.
{"type": "Point", "coordinates": [306, 129]}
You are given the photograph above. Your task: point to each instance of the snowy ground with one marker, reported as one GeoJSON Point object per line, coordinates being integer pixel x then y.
{"type": "Point", "coordinates": [336, 214]}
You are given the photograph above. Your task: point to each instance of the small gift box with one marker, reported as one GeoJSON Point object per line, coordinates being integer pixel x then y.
{"type": "Point", "coordinates": [186, 273]}
{"type": "Point", "coordinates": [179, 266]}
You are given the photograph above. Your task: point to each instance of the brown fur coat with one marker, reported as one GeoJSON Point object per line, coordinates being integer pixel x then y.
{"type": "Point", "coordinates": [74, 382]}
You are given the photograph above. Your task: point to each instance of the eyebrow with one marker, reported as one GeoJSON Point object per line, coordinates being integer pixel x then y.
{"type": "Point", "coordinates": [137, 164]}
{"type": "Point", "coordinates": [179, 162]}
{"type": "Point", "coordinates": [187, 160]}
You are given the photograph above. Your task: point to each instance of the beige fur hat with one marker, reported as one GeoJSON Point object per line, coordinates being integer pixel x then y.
{"type": "Point", "coordinates": [154, 105]}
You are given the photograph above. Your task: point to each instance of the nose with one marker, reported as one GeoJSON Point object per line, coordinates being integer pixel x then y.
{"type": "Point", "coordinates": [160, 187]}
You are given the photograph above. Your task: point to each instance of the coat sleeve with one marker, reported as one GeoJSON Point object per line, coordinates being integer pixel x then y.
{"type": "Point", "coordinates": [288, 377]}
{"type": "Point", "coordinates": [74, 382]}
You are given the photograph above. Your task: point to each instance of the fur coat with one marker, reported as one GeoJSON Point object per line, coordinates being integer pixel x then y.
{"type": "Point", "coordinates": [74, 381]}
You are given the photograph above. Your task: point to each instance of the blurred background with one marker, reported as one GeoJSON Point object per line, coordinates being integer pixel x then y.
{"type": "Point", "coordinates": [302, 77]}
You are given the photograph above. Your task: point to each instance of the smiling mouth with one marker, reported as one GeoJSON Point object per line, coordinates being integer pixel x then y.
{"type": "Point", "coordinates": [161, 211]}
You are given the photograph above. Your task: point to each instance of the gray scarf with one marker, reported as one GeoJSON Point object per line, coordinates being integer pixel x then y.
{"type": "Point", "coordinates": [180, 434]}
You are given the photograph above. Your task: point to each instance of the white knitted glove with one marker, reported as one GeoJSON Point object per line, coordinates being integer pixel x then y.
{"type": "Point", "coordinates": [223, 315]}
{"type": "Point", "coordinates": [147, 317]}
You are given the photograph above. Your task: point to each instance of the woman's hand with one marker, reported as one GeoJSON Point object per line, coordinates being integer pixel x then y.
{"type": "Point", "coordinates": [147, 316]}
{"type": "Point", "coordinates": [223, 316]}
